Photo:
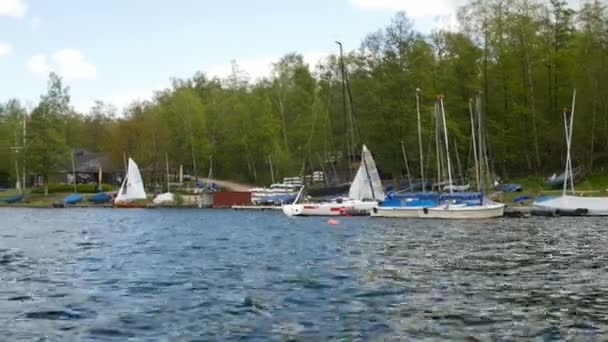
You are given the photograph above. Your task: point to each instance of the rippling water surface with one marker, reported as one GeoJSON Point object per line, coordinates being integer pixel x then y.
{"type": "Point", "coordinates": [206, 275]}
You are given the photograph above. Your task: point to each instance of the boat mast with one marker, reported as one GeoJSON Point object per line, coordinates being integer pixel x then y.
{"type": "Point", "coordinates": [437, 147]}
{"type": "Point", "coordinates": [23, 185]}
{"type": "Point", "coordinates": [407, 167]}
{"type": "Point", "coordinates": [74, 172]}
{"type": "Point", "coordinates": [477, 179]}
{"type": "Point", "coordinates": [167, 170]}
{"type": "Point", "coordinates": [210, 175]}
{"type": "Point", "coordinates": [569, 128]}
{"type": "Point", "coordinates": [480, 142]}
{"type": "Point", "coordinates": [271, 170]}
{"type": "Point", "coordinates": [346, 126]}
{"type": "Point", "coordinates": [420, 139]}
{"type": "Point", "coordinates": [458, 161]}
{"type": "Point", "coordinates": [353, 120]}
{"type": "Point", "coordinates": [447, 145]}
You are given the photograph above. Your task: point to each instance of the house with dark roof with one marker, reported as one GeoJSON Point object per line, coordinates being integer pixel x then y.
{"type": "Point", "coordinates": [87, 165]}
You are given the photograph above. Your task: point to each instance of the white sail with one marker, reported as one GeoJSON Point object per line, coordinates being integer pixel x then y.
{"type": "Point", "coordinates": [360, 188]}
{"type": "Point", "coordinates": [132, 187]}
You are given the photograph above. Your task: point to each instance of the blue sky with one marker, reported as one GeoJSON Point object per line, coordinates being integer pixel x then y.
{"type": "Point", "coordinates": [120, 50]}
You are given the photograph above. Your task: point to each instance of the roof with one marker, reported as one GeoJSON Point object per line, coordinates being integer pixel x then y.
{"type": "Point", "coordinates": [89, 162]}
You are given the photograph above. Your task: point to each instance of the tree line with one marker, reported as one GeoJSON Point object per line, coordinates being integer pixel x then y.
{"type": "Point", "coordinates": [524, 56]}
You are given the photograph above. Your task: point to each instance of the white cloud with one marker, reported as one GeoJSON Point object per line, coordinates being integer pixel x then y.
{"type": "Point", "coordinates": [69, 63]}
{"type": "Point", "coordinates": [119, 99]}
{"type": "Point", "coordinates": [261, 67]}
{"type": "Point", "coordinates": [413, 8]}
{"type": "Point", "coordinates": [13, 8]}
{"type": "Point", "coordinates": [5, 49]}
{"type": "Point", "coordinates": [38, 64]}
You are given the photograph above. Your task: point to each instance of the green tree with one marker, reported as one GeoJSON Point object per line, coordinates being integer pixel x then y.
{"type": "Point", "coordinates": [47, 147]}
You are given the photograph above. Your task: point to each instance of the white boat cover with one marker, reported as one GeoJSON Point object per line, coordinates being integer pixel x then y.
{"type": "Point", "coordinates": [360, 188]}
{"type": "Point", "coordinates": [597, 206]}
{"type": "Point", "coordinates": [166, 198]}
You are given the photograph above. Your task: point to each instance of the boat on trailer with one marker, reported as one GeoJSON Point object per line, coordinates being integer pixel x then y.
{"type": "Point", "coordinates": [363, 195]}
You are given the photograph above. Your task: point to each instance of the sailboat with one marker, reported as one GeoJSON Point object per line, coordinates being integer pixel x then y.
{"type": "Point", "coordinates": [572, 205]}
{"type": "Point", "coordinates": [449, 207]}
{"type": "Point", "coordinates": [131, 191]}
{"type": "Point", "coordinates": [363, 195]}
{"type": "Point", "coordinates": [406, 204]}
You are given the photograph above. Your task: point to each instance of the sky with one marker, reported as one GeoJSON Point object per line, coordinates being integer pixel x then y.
{"type": "Point", "coordinates": [118, 51]}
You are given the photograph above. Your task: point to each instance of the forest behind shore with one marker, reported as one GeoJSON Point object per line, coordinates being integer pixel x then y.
{"type": "Point", "coordinates": [524, 56]}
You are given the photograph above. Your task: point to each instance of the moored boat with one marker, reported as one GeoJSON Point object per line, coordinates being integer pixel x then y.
{"type": "Point", "coordinates": [363, 196]}
{"type": "Point", "coordinates": [131, 193]}
{"type": "Point", "coordinates": [569, 204]}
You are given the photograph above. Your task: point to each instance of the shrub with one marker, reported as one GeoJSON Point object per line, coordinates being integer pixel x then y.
{"type": "Point", "coordinates": [82, 188]}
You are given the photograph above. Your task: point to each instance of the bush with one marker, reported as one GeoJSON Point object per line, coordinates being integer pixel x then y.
{"type": "Point", "coordinates": [82, 188]}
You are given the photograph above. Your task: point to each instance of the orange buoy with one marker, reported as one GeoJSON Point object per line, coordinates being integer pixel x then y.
{"type": "Point", "coordinates": [333, 222]}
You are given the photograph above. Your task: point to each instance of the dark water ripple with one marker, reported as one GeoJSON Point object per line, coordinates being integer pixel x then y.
{"type": "Point", "coordinates": [112, 275]}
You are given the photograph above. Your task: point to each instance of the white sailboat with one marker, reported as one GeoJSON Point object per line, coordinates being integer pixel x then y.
{"type": "Point", "coordinates": [568, 205]}
{"type": "Point", "coordinates": [364, 194]}
{"type": "Point", "coordinates": [132, 189]}
{"type": "Point", "coordinates": [448, 209]}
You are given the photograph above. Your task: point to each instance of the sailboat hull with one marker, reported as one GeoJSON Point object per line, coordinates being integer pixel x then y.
{"type": "Point", "coordinates": [395, 212]}
{"type": "Point", "coordinates": [486, 211]}
{"type": "Point", "coordinates": [329, 209]}
{"type": "Point", "coordinates": [130, 205]}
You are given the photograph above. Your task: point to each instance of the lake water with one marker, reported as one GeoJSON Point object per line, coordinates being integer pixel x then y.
{"type": "Point", "coordinates": [115, 275]}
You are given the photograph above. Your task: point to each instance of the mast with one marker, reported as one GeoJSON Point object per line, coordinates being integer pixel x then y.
{"type": "Point", "coordinates": [569, 128]}
{"type": "Point", "coordinates": [407, 167]}
{"type": "Point", "coordinates": [167, 170]}
{"type": "Point", "coordinates": [346, 126]}
{"type": "Point", "coordinates": [458, 162]}
{"type": "Point", "coordinates": [271, 170]}
{"type": "Point", "coordinates": [447, 145]}
{"type": "Point", "coordinates": [194, 163]}
{"type": "Point", "coordinates": [18, 183]}
{"type": "Point", "coordinates": [477, 179]}
{"type": "Point", "coordinates": [210, 176]}
{"type": "Point", "coordinates": [437, 147]}
{"type": "Point", "coordinates": [420, 139]}
{"type": "Point", "coordinates": [74, 172]}
{"type": "Point", "coordinates": [124, 160]}
{"type": "Point", "coordinates": [481, 155]}
{"type": "Point", "coordinates": [24, 184]}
